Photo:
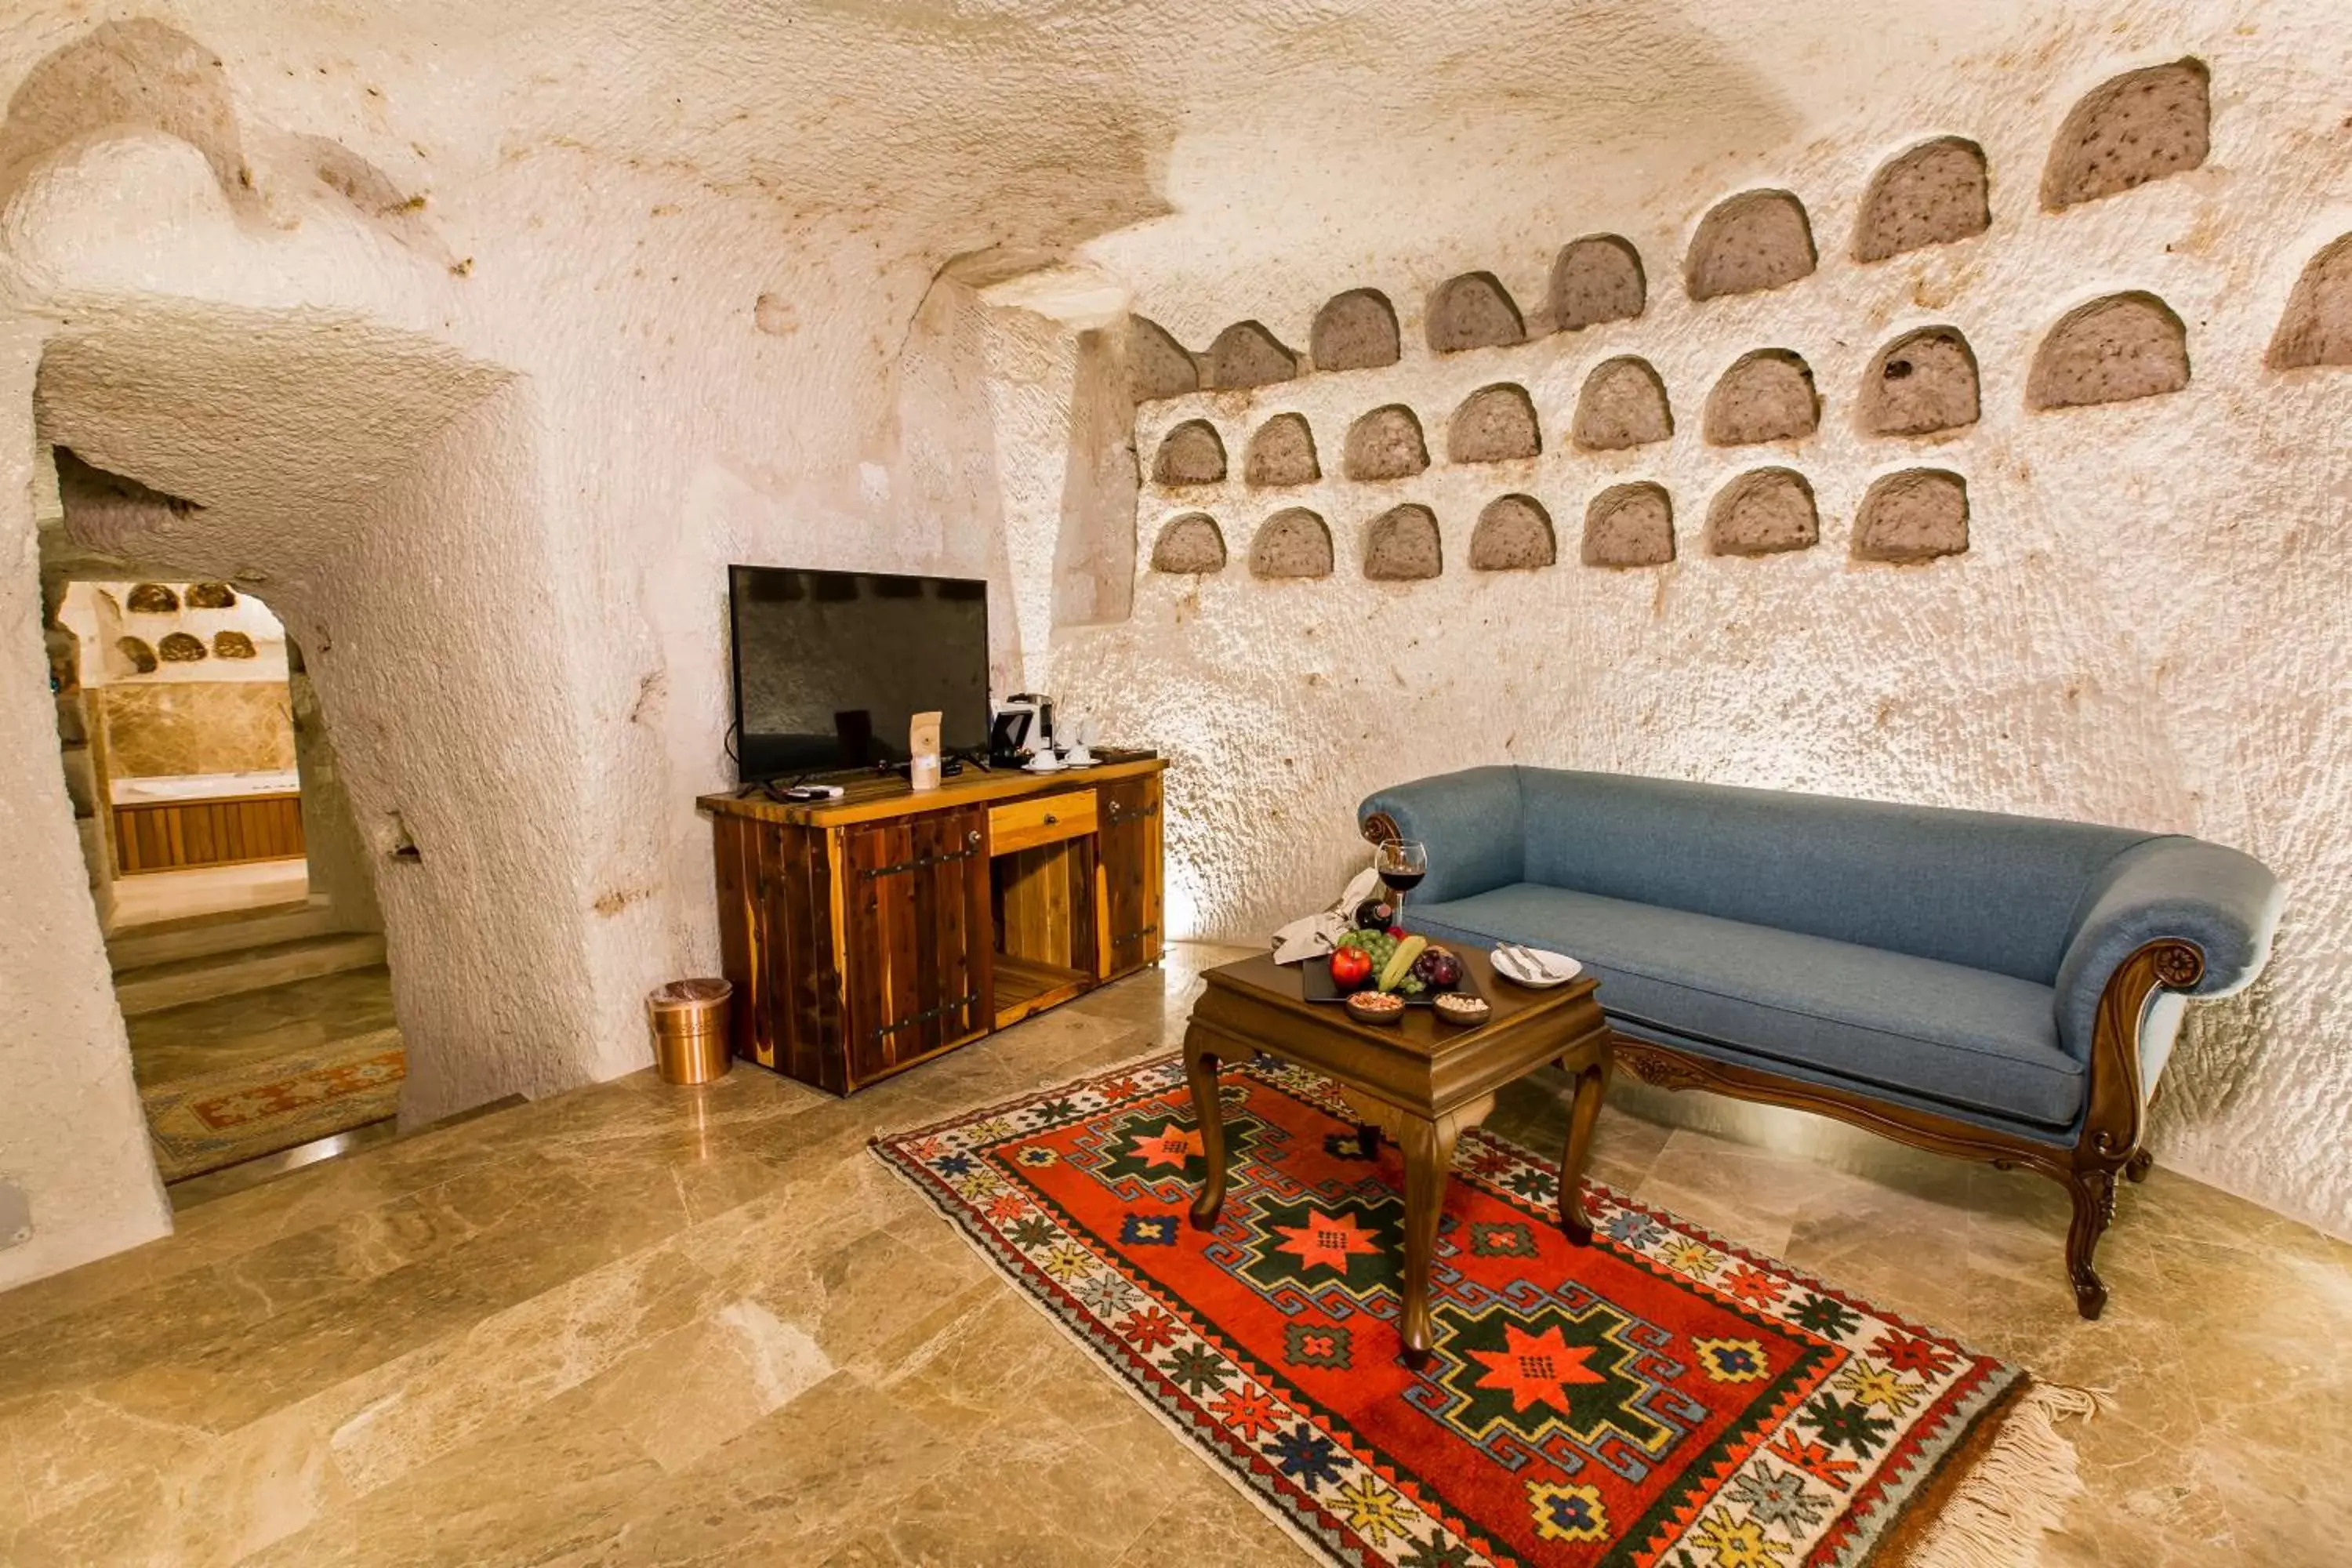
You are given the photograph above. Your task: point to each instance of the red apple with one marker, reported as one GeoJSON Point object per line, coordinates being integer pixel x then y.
{"type": "Point", "coordinates": [1351, 968]}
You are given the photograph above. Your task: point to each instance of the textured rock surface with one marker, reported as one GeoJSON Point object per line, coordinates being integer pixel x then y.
{"type": "Point", "coordinates": [1245, 354]}
{"type": "Point", "coordinates": [2317, 326]}
{"type": "Point", "coordinates": [1629, 525]}
{"type": "Point", "coordinates": [1401, 545]}
{"type": "Point", "coordinates": [1764, 512]}
{"type": "Point", "coordinates": [1473, 311]}
{"type": "Point", "coordinates": [1493, 424]}
{"type": "Point", "coordinates": [2114, 350]}
{"type": "Point", "coordinates": [1513, 534]}
{"type": "Point", "coordinates": [1597, 279]}
{"type": "Point", "coordinates": [1157, 364]}
{"type": "Point", "coordinates": [2141, 126]}
{"type": "Point", "coordinates": [1767, 395]}
{"type": "Point", "coordinates": [1916, 515]}
{"type": "Point", "coordinates": [1623, 404]}
{"type": "Point", "coordinates": [1293, 543]}
{"type": "Point", "coordinates": [1386, 444]}
{"type": "Point", "coordinates": [1282, 453]}
{"type": "Point", "coordinates": [1749, 243]}
{"type": "Point", "coordinates": [1190, 453]}
{"type": "Point", "coordinates": [1923, 382]}
{"type": "Point", "coordinates": [1189, 546]}
{"type": "Point", "coordinates": [1355, 330]}
{"type": "Point", "coordinates": [1932, 194]}
{"type": "Point", "coordinates": [771, 312]}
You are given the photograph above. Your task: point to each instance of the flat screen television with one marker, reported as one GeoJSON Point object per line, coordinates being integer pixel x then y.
{"type": "Point", "coordinates": [830, 666]}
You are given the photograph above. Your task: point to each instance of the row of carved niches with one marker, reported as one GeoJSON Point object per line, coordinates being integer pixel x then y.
{"type": "Point", "coordinates": [163, 599]}
{"type": "Point", "coordinates": [2140, 126]}
{"type": "Point", "coordinates": [182, 648]}
{"type": "Point", "coordinates": [1909, 516]}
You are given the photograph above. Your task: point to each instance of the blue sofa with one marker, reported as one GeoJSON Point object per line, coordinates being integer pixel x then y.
{"type": "Point", "coordinates": [2005, 988]}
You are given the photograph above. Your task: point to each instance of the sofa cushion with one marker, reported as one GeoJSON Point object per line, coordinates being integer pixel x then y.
{"type": "Point", "coordinates": [1965, 1038]}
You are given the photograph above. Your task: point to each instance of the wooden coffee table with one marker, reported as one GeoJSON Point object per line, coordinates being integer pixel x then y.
{"type": "Point", "coordinates": [1420, 1081]}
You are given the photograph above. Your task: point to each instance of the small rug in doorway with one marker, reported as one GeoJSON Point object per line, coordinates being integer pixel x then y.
{"type": "Point", "coordinates": [1661, 1397]}
{"type": "Point", "coordinates": [217, 1118]}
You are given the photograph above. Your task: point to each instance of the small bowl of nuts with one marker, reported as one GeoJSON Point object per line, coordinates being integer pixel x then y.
{"type": "Point", "coordinates": [1375, 1007]}
{"type": "Point", "coordinates": [1459, 1008]}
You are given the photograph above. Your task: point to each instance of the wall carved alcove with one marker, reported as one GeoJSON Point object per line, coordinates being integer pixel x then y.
{"type": "Point", "coordinates": [1513, 534]}
{"type": "Point", "coordinates": [1597, 279]}
{"type": "Point", "coordinates": [1281, 453]}
{"type": "Point", "coordinates": [234, 645]}
{"type": "Point", "coordinates": [1355, 330]}
{"type": "Point", "coordinates": [1293, 543]}
{"type": "Point", "coordinates": [2115, 349]}
{"type": "Point", "coordinates": [1766, 396]}
{"type": "Point", "coordinates": [1191, 453]}
{"type": "Point", "coordinates": [1934, 193]}
{"type": "Point", "coordinates": [1764, 512]}
{"type": "Point", "coordinates": [1922, 383]}
{"type": "Point", "coordinates": [1386, 444]}
{"type": "Point", "coordinates": [1245, 355]}
{"type": "Point", "coordinates": [1402, 546]}
{"type": "Point", "coordinates": [1190, 545]}
{"type": "Point", "coordinates": [1629, 525]}
{"type": "Point", "coordinates": [1623, 404]}
{"type": "Point", "coordinates": [1495, 424]}
{"type": "Point", "coordinates": [1157, 366]}
{"type": "Point", "coordinates": [180, 647]}
{"type": "Point", "coordinates": [1746, 244]}
{"type": "Point", "coordinates": [1919, 514]}
{"type": "Point", "coordinates": [2316, 328]}
{"type": "Point", "coordinates": [153, 599]}
{"type": "Point", "coordinates": [2137, 127]}
{"type": "Point", "coordinates": [211, 597]}
{"type": "Point", "coordinates": [1473, 311]}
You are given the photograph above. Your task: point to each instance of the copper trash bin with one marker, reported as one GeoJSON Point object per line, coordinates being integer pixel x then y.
{"type": "Point", "coordinates": [690, 1034]}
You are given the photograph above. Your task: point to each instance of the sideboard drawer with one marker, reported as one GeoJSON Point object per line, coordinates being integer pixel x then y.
{"type": "Point", "coordinates": [1049, 819]}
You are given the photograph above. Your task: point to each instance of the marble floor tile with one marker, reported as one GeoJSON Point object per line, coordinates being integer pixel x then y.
{"type": "Point", "coordinates": [251, 1026]}
{"type": "Point", "coordinates": [642, 1325]}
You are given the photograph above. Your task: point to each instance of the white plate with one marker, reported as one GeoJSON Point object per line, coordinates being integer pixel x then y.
{"type": "Point", "coordinates": [1563, 969]}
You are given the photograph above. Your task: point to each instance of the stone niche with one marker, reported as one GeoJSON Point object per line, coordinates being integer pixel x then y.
{"type": "Point", "coordinates": [1597, 279]}
{"type": "Point", "coordinates": [1623, 404]}
{"type": "Point", "coordinates": [1493, 424]}
{"type": "Point", "coordinates": [135, 649]}
{"type": "Point", "coordinates": [1933, 195]}
{"type": "Point", "coordinates": [1473, 311]}
{"type": "Point", "coordinates": [2317, 326]}
{"type": "Point", "coordinates": [1629, 525]}
{"type": "Point", "coordinates": [211, 597]}
{"type": "Point", "coordinates": [153, 599]}
{"type": "Point", "coordinates": [1386, 444]}
{"type": "Point", "coordinates": [234, 645]}
{"type": "Point", "coordinates": [1281, 453]}
{"type": "Point", "coordinates": [1513, 534]}
{"type": "Point", "coordinates": [1190, 545]}
{"type": "Point", "coordinates": [1293, 543]}
{"type": "Point", "coordinates": [2114, 350]}
{"type": "Point", "coordinates": [2137, 127]}
{"type": "Point", "coordinates": [181, 648]}
{"type": "Point", "coordinates": [1401, 545]}
{"type": "Point", "coordinates": [1157, 365]}
{"type": "Point", "coordinates": [1246, 355]}
{"type": "Point", "coordinates": [1923, 382]}
{"type": "Point", "coordinates": [1767, 395]}
{"type": "Point", "coordinates": [1749, 243]}
{"type": "Point", "coordinates": [1764, 512]}
{"type": "Point", "coordinates": [1355, 330]}
{"type": "Point", "coordinates": [1191, 453]}
{"type": "Point", "coordinates": [1919, 514]}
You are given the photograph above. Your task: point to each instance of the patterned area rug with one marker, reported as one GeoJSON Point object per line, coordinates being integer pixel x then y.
{"type": "Point", "coordinates": [202, 1123]}
{"type": "Point", "coordinates": [1662, 1397]}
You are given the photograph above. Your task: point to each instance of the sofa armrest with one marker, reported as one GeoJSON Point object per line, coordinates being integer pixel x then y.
{"type": "Point", "coordinates": [2223, 904]}
{"type": "Point", "coordinates": [1469, 822]}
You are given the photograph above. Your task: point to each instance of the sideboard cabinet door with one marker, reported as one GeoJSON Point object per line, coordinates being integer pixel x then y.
{"type": "Point", "coordinates": [915, 928]}
{"type": "Point", "coordinates": [1131, 842]}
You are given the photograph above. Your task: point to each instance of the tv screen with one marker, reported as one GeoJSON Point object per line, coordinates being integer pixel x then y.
{"type": "Point", "coordinates": [830, 666]}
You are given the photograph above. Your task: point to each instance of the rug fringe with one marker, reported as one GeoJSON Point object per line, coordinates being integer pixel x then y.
{"type": "Point", "coordinates": [1996, 1515]}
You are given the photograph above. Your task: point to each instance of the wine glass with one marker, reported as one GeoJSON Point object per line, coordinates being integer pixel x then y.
{"type": "Point", "coordinates": [1401, 863]}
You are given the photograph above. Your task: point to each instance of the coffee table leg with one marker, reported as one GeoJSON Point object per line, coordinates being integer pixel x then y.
{"type": "Point", "coordinates": [1201, 1072]}
{"type": "Point", "coordinates": [1428, 1150]}
{"type": "Point", "coordinates": [1591, 1083]}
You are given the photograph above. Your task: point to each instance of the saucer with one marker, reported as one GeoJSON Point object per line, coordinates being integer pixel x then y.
{"type": "Point", "coordinates": [1563, 969]}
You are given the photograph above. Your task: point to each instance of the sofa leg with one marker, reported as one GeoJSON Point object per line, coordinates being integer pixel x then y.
{"type": "Point", "coordinates": [2094, 1193]}
{"type": "Point", "coordinates": [2137, 1167]}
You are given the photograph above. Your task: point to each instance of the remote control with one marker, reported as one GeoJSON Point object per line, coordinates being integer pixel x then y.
{"type": "Point", "coordinates": [810, 792]}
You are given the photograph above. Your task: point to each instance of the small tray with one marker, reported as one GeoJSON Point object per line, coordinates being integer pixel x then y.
{"type": "Point", "coordinates": [1314, 984]}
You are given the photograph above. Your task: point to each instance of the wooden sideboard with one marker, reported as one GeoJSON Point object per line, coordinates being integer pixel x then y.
{"type": "Point", "coordinates": [868, 934]}
{"type": "Point", "coordinates": [224, 830]}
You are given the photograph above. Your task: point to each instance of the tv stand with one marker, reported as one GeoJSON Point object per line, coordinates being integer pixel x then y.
{"type": "Point", "coordinates": [866, 934]}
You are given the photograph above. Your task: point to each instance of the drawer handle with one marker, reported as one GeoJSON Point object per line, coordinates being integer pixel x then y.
{"type": "Point", "coordinates": [1051, 819]}
{"type": "Point", "coordinates": [973, 838]}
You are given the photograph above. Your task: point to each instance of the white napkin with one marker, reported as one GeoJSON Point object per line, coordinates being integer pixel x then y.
{"type": "Point", "coordinates": [1313, 935]}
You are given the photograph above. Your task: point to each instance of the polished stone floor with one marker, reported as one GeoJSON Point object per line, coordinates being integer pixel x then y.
{"type": "Point", "coordinates": [251, 1026]}
{"type": "Point", "coordinates": [637, 1325]}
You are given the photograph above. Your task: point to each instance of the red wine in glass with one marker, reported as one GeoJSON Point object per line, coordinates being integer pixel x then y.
{"type": "Point", "coordinates": [1401, 863]}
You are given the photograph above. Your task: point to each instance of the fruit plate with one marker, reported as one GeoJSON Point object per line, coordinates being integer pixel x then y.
{"type": "Point", "coordinates": [1314, 984]}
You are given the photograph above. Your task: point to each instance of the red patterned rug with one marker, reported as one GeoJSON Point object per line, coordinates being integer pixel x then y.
{"type": "Point", "coordinates": [1662, 1397]}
